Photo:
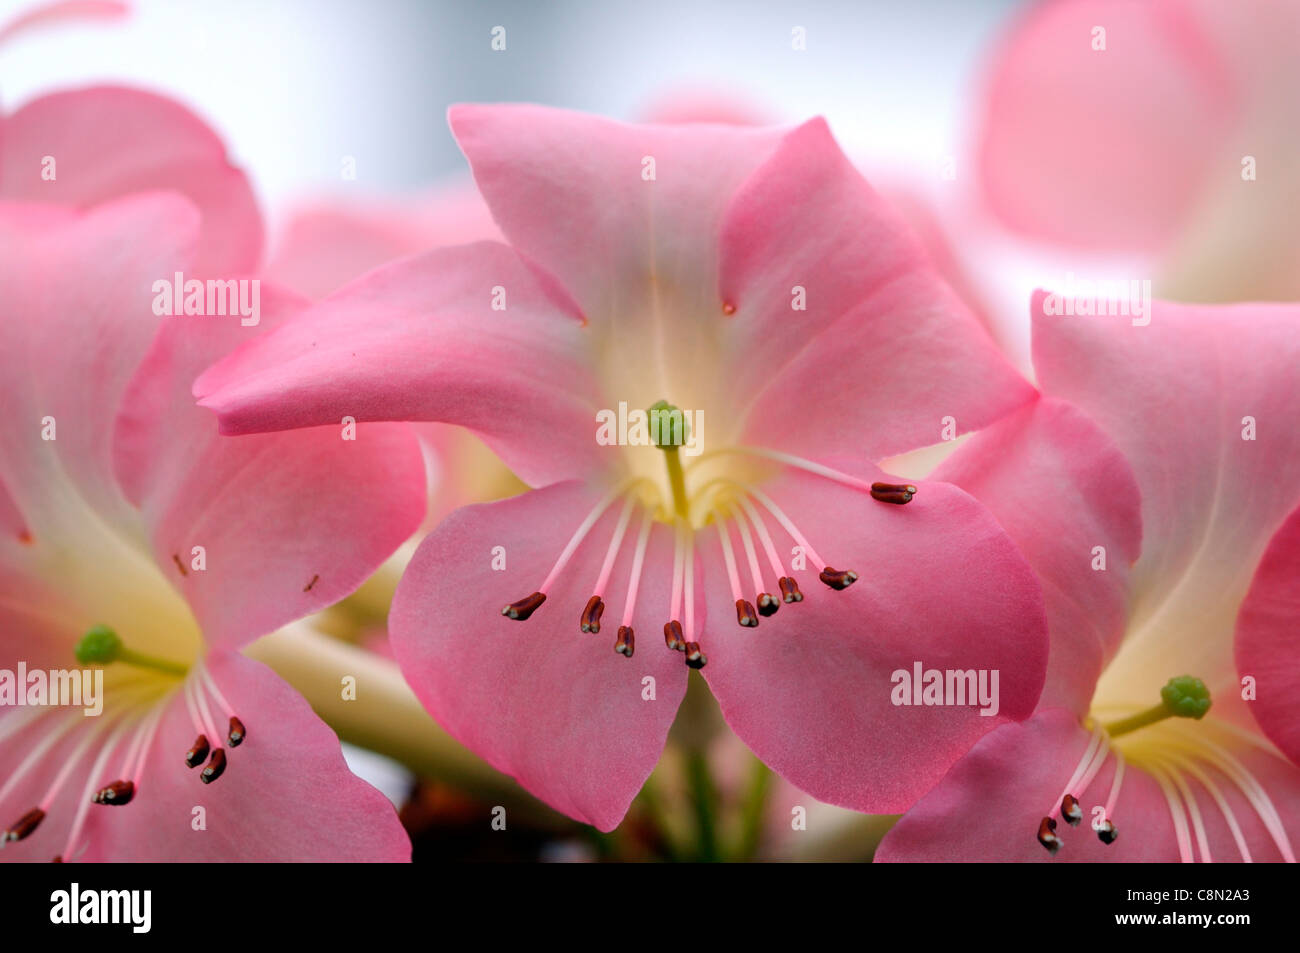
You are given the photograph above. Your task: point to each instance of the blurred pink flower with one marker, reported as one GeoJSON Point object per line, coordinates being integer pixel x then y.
{"type": "Point", "coordinates": [1218, 466]}
{"type": "Point", "coordinates": [109, 480]}
{"type": "Point", "coordinates": [661, 262]}
{"type": "Point", "coordinates": [1163, 130]}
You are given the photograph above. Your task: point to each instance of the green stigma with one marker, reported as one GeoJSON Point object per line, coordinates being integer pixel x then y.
{"type": "Point", "coordinates": [99, 645]}
{"type": "Point", "coordinates": [1186, 697]}
{"type": "Point", "coordinates": [669, 428]}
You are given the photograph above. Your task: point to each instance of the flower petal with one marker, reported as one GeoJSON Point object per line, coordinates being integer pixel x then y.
{"type": "Point", "coordinates": [555, 707]}
{"type": "Point", "coordinates": [1061, 488]}
{"type": "Point", "coordinates": [807, 229]}
{"type": "Point", "coordinates": [810, 690]}
{"type": "Point", "coordinates": [1268, 639]}
{"type": "Point", "coordinates": [420, 340]}
{"type": "Point", "coordinates": [289, 522]}
{"type": "Point", "coordinates": [109, 141]}
{"type": "Point", "coordinates": [1214, 454]}
{"type": "Point", "coordinates": [77, 321]}
{"type": "Point", "coordinates": [576, 194]}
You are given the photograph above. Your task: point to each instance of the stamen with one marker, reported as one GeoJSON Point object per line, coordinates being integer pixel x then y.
{"type": "Point", "coordinates": [673, 636]}
{"type": "Point", "coordinates": [215, 768]}
{"type": "Point", "coordinates": [115, 792]}
{"type": "Point", "coordinates": [237, 733]}
{"type": "Point", "coordinates": [525, 607]}
{"type": "Point", "coordinates": [638, 561]}
{"type": "Point", "coordinates": [694, 656]}
{"type": "Point", "coordinates": [767, 603]}
{"type": "Point", "coordinates": [1176, 811]}
{"type": "Point", "coordinates": [1047, 835]}
{"type": "Point", "coordinates": [626, 643]}
{"type": "Point", "coordinates": [778, 568]}
{"type": "Point", "coordinates": [87, 799]}
{"type": "Point", "coordinates": [1070, 810]}
{"type": "Point", "coordinates": [25, 825]}
{"type": "Point", "coordinates": [789, 589]}
{"type": "Point", "coordinates": [52, 736]}
{"type": "Point", "coordinates": [896, 493]}
{"type": "Point", "coordinates": [800, 463]}
{"type": "Point", "coordinates": [590, 621]}
{"type": "Point", "coordinates": [785, 521]}
{"type": "Point", "coordinates": [198, 752]}
{"type": "Point", "coordinates": [1107, 833]}
{"type": "Point", "coordinates": [745, 614]}
{"type": "Point", "coordinates": [838, 579]}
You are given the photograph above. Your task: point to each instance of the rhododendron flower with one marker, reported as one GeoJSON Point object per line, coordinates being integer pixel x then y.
{"type": "Point", "coordinates": [134, 539]}
{"type": "Point", "coordinates": [1162, 130]}
{"type": "Point", "coordinates": [731, 272]}
{"type": "Point", "coordinates": [1147, 732]}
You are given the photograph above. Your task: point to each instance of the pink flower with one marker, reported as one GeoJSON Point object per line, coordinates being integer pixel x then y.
{"type": "Point", "coordinates": [657, 263]}
{"type": "Point", "coordinates": [1177, 437]}
{"type": "Point", "coordinates": [1162, 130]}
{"type": "Point", "coordinates": [131, 534]}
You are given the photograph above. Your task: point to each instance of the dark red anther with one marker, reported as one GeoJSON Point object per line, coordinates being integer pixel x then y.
{"type": "Point", "coordinates": [767, 604]}
{"type": "Point", "coordinates": [745, 614]}
{"type": "Point", "coordinates": [694, 657]}
{"type": "Point", "coordinates": [198, 753]}
{"type": "Point", "coordinates": [673, 636]}
{"type": "Point", "coordinates": [626, 642]}
{"type": "Point", "coordinates": [215, 767]}
{"type": "Point", "coordinates": [897, 493]}
{"type": "Point", "coordinates": [25, 824]}
{"type": "Point", "coordinates": [1047, 835]}
{"type": "Point", "coordinates": [58, 859]}
{"type": "Point", "coordinates": [525, 607]}
{"type": "Point", "coordinates": [1107, 833]}
{"type": "Point", "coordinates": [237, 733]}
{"type": "Point", "coordinates": [789, 589]}
{"type": "Point", "coordinates": [590, 620]}
{"type": "Point", "coordinates": [839, 579]}
{"type": "Point", "coordinates": [117, 793]}
{"type": "Point", "coordinates": [1071, 811]}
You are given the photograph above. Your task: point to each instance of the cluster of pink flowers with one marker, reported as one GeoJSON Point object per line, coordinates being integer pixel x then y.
{"type": "Point", "coordinates": [1105, 570]}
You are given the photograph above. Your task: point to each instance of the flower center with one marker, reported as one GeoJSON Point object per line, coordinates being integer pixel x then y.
{"type": "Point", "coordinates": [1161, 741]}
{"type": "Point", "coordinates": [139, 698]}
{"type": "Point", "coordinates": [722, 501]}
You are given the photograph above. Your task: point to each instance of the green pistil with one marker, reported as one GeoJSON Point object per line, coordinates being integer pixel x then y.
{"type": "Point", "coordinates": [662, 416]}
{"type": "Point", "coordinates": [1181, 697]}
{"type": "Point", "coordinates": [101, 645]}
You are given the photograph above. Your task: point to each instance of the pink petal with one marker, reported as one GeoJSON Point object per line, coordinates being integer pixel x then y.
{"type": "Point", "coordinates": [807, 220]}
{"type": "Point", "coordinates": [78, 321]}
{"type": "Point", "coordinates": [328, 243]}
{"type": "Point", "coordinates": [289, 522]}
{"type": "Point", "coordinates": [568, 191]}
{"type": "Point", "coordinates": [1268, 639]}
{"type": "Point", "coordinates": [1060, 488]}
{"type": "Point", "coordinates": [1106, 149]}
{"type": "Point", "coordinates": [61, 11]}
{"type": "Point", "coordinates": [419, 340]}
{"type": "Point", "coordinates": [1210, 499]}
{"type": "Point", "coordinates": [556, 708]}
{"type": "Point", "coordinates": [109, 141]}
{"type": "Point", "coordinates": [286, 794]}
{"type": "Point", "coordinates": [809, 689]}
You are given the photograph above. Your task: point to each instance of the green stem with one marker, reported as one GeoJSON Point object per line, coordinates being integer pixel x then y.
{"type": "Point", "coordinates": [704, 795]}
{"type": "Point", "coordinates": [677, 480]}
{"type": "Point", "coordinates": [140, 660]}
{"type": "Point", "coordinates": [754, 811]}
{"type": "Point", "coordinates": [1140, 720]}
